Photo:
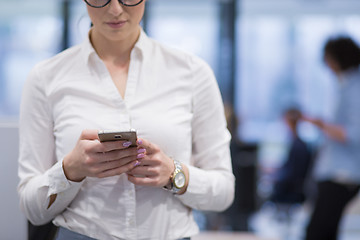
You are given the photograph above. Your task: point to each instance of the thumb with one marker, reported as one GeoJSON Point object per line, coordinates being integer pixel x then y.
{"type": "Point", "coordinates": [89, 134]}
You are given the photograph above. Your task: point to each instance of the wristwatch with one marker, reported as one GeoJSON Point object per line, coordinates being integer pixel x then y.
{"type": "Point", "coordinates": [177, 178]}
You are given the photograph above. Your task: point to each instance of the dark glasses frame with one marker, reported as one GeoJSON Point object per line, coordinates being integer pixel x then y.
{"type": "Point", "coordinates": [127, 5]}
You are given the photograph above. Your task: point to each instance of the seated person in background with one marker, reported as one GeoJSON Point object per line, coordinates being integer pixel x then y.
{"type": "Point", "coordinates": [290, 179]}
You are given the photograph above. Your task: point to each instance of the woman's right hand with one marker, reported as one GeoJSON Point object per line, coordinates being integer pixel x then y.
{"type": "Point", "coordinates": [92, 158]}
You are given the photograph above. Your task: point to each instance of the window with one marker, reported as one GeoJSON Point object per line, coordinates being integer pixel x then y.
{"type": "Point", "coordinates": [28, 34]}
{"type": "Point", "coordinates": [280, 62]}
{"type": "Point", "coordinates": [189, 25]}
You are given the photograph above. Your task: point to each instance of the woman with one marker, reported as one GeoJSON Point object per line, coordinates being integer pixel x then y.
{"type": "Point", "coordinates": [119, 79]}
{"type": "Point", "coordinates": [337, 167]}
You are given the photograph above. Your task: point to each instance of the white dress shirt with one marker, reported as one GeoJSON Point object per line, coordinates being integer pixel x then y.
{"type": "Point", "coordinates": [171, 98]}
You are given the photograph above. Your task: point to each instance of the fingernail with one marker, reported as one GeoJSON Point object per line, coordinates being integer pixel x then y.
{"type": "Point", "coordinates": [137, 163]}
{"type": "Point", "coordinates": [126, 144]}
{"type": "Point", "coordinates": [141, 150]}
{"type": "Point", "coordinates": [139, 142]}
{"type": "Point", "coordinates": [141, 155]}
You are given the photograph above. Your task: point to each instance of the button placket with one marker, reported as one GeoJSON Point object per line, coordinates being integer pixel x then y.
{"type": "Point", "coordinates": [130, 216]}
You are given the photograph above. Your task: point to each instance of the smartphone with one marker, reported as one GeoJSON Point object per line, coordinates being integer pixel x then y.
{"type": "Point", "coordinates": [131, 136]}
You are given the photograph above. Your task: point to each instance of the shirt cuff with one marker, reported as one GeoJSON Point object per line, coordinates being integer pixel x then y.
{"type": "Point", "coordinates": [58, 182]}
{"type": "Point", "coordinates": [195, 187]}
{"type": "Point", "coordinates": [208, 190]}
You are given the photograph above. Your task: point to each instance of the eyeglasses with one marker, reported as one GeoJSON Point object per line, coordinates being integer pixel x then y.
{"type": "Point", "coordinates": [103, 3]}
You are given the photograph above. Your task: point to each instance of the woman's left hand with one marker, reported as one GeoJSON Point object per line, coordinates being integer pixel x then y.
{"type": "Point", "coordinates": [155, 166]}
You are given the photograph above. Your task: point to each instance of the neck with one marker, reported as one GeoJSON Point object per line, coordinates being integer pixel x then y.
{"type": "Point", "coordinates": [117, 51]}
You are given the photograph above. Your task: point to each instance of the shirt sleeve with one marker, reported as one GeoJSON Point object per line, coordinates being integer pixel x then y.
{"type": "Point", "coordinates": [211, 181]}
{"type": "Point", "coordinates": [40, 174]}
{"type": "Point", "coordinates": [351, 116]}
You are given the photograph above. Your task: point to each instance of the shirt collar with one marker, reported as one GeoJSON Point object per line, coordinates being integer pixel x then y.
{"type": "Point", "coordinates": [87, 49]}
{"type": "Point", "coordinates": [140, 47]}
{"type": "Point", "coordinates": [142, 43]}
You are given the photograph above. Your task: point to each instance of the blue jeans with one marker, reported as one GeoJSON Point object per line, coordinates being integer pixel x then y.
{"type": "Point", "coordinates": [66, 234]}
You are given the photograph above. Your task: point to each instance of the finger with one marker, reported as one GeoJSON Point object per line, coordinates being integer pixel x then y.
{"type": "Point", "coordinates": [153, 181]}
{"type": "Point", "coordinates": [117, 154]}
{"type": "Point", "coordinates": [143, 181]}
{"type": "Point", "coordinates": [113, 145]}
{"type": "Point", "coordinates": [144, 160]}
{"type": "Point", "coordinates": [143, 171]}
{"type": "Point", "coordinates": [118, 170]}
{"type": "Point", "coordinates": [150, 147]}
{"type": "Point", "coordinates": [104, 166]}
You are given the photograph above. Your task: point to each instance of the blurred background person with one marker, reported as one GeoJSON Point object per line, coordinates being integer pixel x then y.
{"type": "Point", "coordinates": [337, 166]}
{"type": "Point", "coordinates": [290, 178]}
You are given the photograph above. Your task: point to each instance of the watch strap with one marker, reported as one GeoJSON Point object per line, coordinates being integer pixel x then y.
{"type": "Point", "coordinates": [172, 187]}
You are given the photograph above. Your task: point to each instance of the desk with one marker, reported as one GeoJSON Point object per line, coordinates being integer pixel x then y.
{"type": "Point", "coordinates": [212, 235]}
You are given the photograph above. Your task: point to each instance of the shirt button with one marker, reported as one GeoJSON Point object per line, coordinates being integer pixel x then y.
{"type": "Point", "coordinates": [131, 221]}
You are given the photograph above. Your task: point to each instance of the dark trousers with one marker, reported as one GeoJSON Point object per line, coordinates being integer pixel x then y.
{"type": "Point", "coordinates": [332, 198]}
{"type": "Point", "coordinates": [43, 232]}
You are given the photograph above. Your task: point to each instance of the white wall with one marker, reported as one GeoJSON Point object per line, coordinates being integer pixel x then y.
{"type": "Point", "coordinates": [13, 225]}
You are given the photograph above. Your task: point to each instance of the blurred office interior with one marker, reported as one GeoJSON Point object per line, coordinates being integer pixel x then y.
{"type": "Point", "coordinates": [267, 55]}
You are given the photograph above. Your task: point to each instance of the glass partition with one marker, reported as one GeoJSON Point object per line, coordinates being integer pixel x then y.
{"type": "Point", "coordinates": [189, 25]}
{"type": "Point", "coordinates": [280, 64]}
{"type": "Point", "coordinates": [28, 34]}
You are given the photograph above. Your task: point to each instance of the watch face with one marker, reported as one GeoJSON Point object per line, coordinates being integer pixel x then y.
{"type": "Point", "coordinates": [179, 180]}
